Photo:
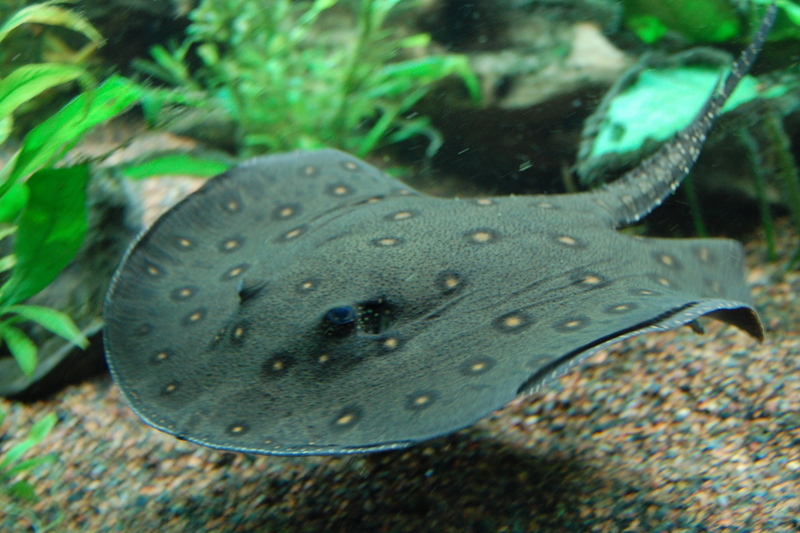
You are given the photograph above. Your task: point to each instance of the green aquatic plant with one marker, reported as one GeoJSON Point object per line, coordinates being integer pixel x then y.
{"type": "Point", "coordinates": [632, 118]}
{"type": "Point", "coordinates": [696, 20]}
{"type": "Point", "coordinates": [17, 494]}
{"type": "Point", "coordinates": [288, 76]}
{"type": "Point", "coordinates": [42, 207]}
{"type": "Point", "coordinates": [12, 463]}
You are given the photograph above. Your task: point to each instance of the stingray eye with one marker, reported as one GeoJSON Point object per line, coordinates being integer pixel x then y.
{"type": "Point", "coordinates": [341, 315]}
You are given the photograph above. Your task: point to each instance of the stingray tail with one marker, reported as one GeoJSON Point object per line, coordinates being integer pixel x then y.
{"type": "Point", "coordinates": [643, 188]}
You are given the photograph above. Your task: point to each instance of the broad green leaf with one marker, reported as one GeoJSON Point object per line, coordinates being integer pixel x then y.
{"type": "Point", "coordinates": [175, 165]}
{"type": "Point", "coordinates": [24, 351]}
{"type": "Point", "coordinates": [52, 320]}
{"type": "Point", "coordinates": [28, 81]}
{"type": "Point", "coordinates": [50, 230]}
{"type": "Point", "coordinates": [46, 13]}
{"type": "Point", "coordinates": [53, 137]}
{"type": "Point", "coordinates": [698, 21]}
{"type": "Point", "coordinates": [663, 101]}
{"type": "Point", "coordinates": [647, 27]}
{"type": "Point", "coordinates": [12, 202]}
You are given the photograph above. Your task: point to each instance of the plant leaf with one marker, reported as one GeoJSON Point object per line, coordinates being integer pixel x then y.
{"type": "Point", "coordinates": [22, 490]}
{"type": "Point", "coordinates": [50, 319]}
{"type": "Point", "coordinates": [28, 81]}
{"type": "Point", "coordinates": [39, 430]}
{"type": "Point", "coordinates": [6, 125]}
{"type": "Point", "coordinates": [50, 139]}
{"type": "Point", "coordinates": [50, 230]}
{"type": "Point", "coordinates": [13, 202]}
{"type": "Point", "coordinates": [53, 16]}
{"type": "Point", "coordinates": [176, 164]}
{"type": "Point", "coordinates": [24, 351]}
{"type": "Point", "coordinates": [42, 427]}
{"type": "Point", "coordinates": [30, 464]}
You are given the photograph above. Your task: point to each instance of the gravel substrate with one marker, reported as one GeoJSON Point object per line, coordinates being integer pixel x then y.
{"type": "Point", "coordinates": [667, 432]}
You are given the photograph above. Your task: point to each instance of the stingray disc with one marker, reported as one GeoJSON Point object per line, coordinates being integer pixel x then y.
{"type": "Point", "coordinates": [307, 303]}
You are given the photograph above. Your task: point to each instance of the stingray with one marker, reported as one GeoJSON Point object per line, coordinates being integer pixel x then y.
{"type": "Point", "coordinates": [307, 303]}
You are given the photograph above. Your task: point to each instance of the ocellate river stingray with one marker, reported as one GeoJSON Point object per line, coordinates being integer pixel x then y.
{"type": "Point", "coordinates": [307, 303]}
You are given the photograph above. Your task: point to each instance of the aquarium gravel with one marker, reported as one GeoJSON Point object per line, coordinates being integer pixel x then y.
{"type": "Point", "coordinates": [666, 432]}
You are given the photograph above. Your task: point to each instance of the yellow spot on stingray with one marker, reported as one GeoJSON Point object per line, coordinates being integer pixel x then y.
{"type": "Point", "coordinates": [391, 343]}
{"type": "Point", "coordinates": [481, 236]}
{"type": "Point", "coordinates": [345, 419]}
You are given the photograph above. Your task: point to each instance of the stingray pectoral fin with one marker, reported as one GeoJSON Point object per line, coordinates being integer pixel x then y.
{"type": "Point", "coordinates": [738, 314]}
{"type": "Point", "coordinates": [744, 318]}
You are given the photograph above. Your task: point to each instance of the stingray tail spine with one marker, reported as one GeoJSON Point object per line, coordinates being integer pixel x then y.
{"type": "Point", "coordinates": [643, 188]}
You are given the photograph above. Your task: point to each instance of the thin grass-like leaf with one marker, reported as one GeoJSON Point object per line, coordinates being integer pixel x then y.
{"type": "Point", "coordinates": [53, 137]}
{"type": "Point", "coordinates": [29, 81]}
{"type": "Point", "coordinates": [30, 464]}
{"type": "Point", "coordinates": [52, 320]}
{"type": "Point", "coordinates": [52, 15]}
{"type": "Point", "coordinates": [40, 429]}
